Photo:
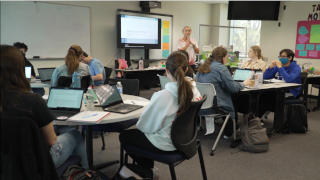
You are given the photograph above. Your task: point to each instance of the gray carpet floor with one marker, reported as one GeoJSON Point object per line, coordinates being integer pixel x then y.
{"type": "Point", "coordinates": [290, 156]}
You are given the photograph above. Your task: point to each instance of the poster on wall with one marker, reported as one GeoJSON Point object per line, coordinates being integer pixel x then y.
{"type": "Point", "coordinates": [308, 39]}
{"type": "Point", "coordinates": [165, 38]}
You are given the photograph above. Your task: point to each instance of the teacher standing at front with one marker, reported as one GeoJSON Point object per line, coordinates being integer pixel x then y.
{"type": "Point", "coordinates": [189, 44]}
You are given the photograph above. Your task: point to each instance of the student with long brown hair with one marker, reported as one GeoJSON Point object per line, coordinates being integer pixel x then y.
{"type": "Point", "coordinates": [154, 126]}
{"type": "Point", "coordinates": [17, 100]}
{"type": "Point", "coordinates": [214, 71]}
{"type": "Point", "coordinates": [72, 64]}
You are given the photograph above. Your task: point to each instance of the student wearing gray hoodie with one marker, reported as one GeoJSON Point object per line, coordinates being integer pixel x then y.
{"type": "Point", "coordinates": [154, 126]}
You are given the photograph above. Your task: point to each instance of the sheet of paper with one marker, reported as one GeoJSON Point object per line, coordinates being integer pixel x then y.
{"type": "Point", "coordinates": [141, 103]}
{"type": "Point", "coordinates": [277, 81]}
{"type": "Point", "coordinates": [209, 125]}
{"type": "Point", "coordinates": [89, 116]}
{"type": "Point", "coordinates": [300, 47]}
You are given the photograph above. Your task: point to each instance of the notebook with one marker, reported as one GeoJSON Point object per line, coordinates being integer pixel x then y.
{"type": "Point", "coordinates": [89, 116]}
{"type": "Point", "coordinates": [242, 74]}
{"type": "Point", "coordinates": [65, 102]}
{"type": "Point", "coordinates": [111, 101]}
{"type": "Point", "coordinates": [27, 71]}
{"type": "Point", "coordinates": [45, 74]}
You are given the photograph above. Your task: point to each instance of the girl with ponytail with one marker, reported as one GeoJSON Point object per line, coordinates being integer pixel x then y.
{"type": "Point", "coordinates": [72, 64]}
{"type": "Point", "coordinates": [214, 71]}
{"type": "Point", "coordinates": [154, 126]}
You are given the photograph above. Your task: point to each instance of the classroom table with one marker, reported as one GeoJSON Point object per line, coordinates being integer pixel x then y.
{"type": "Point", "coordinates": [111, 118]}
{"type": "Point", "coordinates": [146, 77]}
{"type": "Point", "coordinates": [39, 84]}
{"type": "Point", "coordinates": [280, 89]}
{"type": "Point", "coordinates": [311, 79]}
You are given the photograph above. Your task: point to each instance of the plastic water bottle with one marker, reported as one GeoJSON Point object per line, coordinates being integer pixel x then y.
{"type": "Point", "coordinates": [258, 79]}
{"type": "Point", "coordinates": [76, 80]}
{"type": "Point", "coordinates": [90, 100]}
{"type": "Point", "coordinates": [140, 64]}
{"type": "Point", "coordinates": [119, 87]}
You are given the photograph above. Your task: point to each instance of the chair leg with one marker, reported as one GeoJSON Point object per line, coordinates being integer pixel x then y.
{"type": "Point", "coordinates": [121, 155]}
{"type": "Point", "coordinates": [173, 173]}
{"type": "Point", "coordinates": [234, 130]}
{"type": "Point", "coordinates": [219, 135]}
{"type": "Point", "coordinates": [310, 95]}
{"type": "Point", "coordinates": [203, 169]}
{"type": "Point", "coordinates": [103, 143]}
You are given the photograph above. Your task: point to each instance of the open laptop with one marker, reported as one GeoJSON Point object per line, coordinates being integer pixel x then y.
{"type": "Point", "coordinates": [65, 102]}
{"type": "Point", "coordinates": [27, 71]}
{"type": "Point", "coordinates": [241, 75]}
{"type": "Point", "coordinates": [111, 100]}
{"type": "Point", "coordinates": [45, 74]}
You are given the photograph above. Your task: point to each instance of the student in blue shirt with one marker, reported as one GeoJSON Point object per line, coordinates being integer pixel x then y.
{"type": "Point", "coordinates": [287, 69]}
{"type": "Point", "coordinates": [96, 68]}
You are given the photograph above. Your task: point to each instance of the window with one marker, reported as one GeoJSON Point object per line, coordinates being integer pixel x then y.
{"type": "Point", "coordinates": [238, 39]}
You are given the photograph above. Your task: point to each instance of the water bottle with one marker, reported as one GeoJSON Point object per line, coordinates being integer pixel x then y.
{"type": "Point", "coordinates": [119, 87]}
{"type": "Point", "coordinates": [258, 79]}
{"type": "Point", "coordinates": [140, 64]}
{"type": "Point", "coordinates": [90, 99]}
{"type": "Point", "coordinates": [76, 80]}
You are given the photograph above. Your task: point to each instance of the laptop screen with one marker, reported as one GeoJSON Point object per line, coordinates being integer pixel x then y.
{"type": "Point", "coordinates": [45, 73]}
{"type": "Point", "coordinates": [108, 95]}
{"type": "Point", "coordinates": [242, 74]}
{"type": "Point", "coordinates": [27, 71]}
{"type": "Point", "coordinates": [65, 99]}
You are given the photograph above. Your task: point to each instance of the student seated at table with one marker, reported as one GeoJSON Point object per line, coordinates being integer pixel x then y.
{"type": "Point", "coordinates": [256, 59]}
{"type": "Point", "coordinates": [72, 64]}
{"type": "Point", "coordinates": [287, 69]}
{"type": "Point", "coordinates": [190, 72]}
{"type": "Point", "coordinates": [154, 126]}
{"type": "Point", "coordinates": [214, 71]}
{"type": "Point", "coordinates": [96, 68]}
{"type": "Point", "coordinates": [18, 100]}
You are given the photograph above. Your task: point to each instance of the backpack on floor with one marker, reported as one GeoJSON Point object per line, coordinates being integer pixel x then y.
{"type": "Point", "coordinates": [75, 172]}
{"type": "Point", "coordinates": [133, 172]}
{"type": "Point", "coordinates": [253, 137]}
{"type": "Point", "coordinates": [297, 121]}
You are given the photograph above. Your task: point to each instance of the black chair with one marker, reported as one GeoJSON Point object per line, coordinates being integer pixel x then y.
{"type": "Point", "coordinates": [183, 136]}
{"type": "Point", "coordinates": [66, 81]}
{"type": "Point", "coordinates": [130, 86]}
{"type": "Point", "coordinates": [297, 100]}
{"type": "Point", "coordinates": [25, 154]}
{"type": "Point", "coordinates": [108, 71]}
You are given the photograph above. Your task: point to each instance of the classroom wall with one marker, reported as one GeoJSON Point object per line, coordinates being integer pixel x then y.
{"type": "Point", "coordinates": [274, 38]}
{"type": "Point", "coordinates": [103, 26]}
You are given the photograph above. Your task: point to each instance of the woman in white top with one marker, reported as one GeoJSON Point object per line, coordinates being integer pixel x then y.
{"type": "Point", "coordinates": [154, 126]}
{"type": "Point", "coordinates": [256, 59]}
{"type": "Point", "coordinates": [189, 44]}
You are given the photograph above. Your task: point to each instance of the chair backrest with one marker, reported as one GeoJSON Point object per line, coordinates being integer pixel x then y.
{"type": "Point", "coordinates": [163, 81]}
{"type": "Point", "coordinates": [304, 76]}
{"type": "Point", "coordinates": [66, 81]}
{"type": "Point", "coordinates": [108, 71]}
{"type": "Point", "coordinates": [210, 91]}
{"type": "Point", "coordinates": [130, 86]}
{"type": "Point", "coordinates": [184, 129]}
{"type": "Point", "coordinates": [24, 154]}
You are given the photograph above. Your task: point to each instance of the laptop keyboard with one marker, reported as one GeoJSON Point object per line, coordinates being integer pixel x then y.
{"type": "Point", "coordinates": [123, 108]}
{"type": "Point", "coordinates": [65, 113]}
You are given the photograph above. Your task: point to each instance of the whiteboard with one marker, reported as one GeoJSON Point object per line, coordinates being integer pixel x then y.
{"type": "Point", "coordinates": [154, 53]}
{"type": "Point", "coordinates": [47, 29]}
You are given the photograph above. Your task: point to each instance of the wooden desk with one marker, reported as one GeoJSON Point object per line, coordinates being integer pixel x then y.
{"type": "Point", "coordinates": [111, 118]}
{"type": "Point", "coordinates": [146, 76]}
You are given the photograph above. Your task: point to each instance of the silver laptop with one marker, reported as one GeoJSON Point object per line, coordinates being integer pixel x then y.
{"type": "Point", "coordinates": [27, 71]}
{"type": "Point", "coordinates": [241, 75]}
{"type": "Point", "coordinates": [111, 101]}
{"type": "Point", "coordinates": [65, 102]}
{"type": "Point", "coordinates": [45, 74]}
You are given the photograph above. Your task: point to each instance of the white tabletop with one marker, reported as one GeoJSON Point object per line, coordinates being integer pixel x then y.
{"type": "Point", "coordinates": [112, 117]}
{"type": "Point", "coordinates": [137, 70]}
{"type": "Point", "coordinates": [39, 84]}
{"type": "Point", "coordinates": [273, 86]}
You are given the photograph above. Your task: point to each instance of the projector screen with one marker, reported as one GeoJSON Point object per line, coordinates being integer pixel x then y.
{"type": "Point", "coordinates": [137, 32]}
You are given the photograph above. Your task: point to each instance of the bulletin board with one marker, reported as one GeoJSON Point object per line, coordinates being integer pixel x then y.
{"type": "Point", "coordinates": [308, 39]}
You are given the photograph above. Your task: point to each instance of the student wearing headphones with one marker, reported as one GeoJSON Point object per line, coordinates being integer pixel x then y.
{"type": "Point", "coordinates": [16, 100]}
{"type": "Point", "coordinates": [72, 64]}
{"type": "Point", "coordinates": [154, 126]}
{"type": "Point", "coordinates": [287, 69]}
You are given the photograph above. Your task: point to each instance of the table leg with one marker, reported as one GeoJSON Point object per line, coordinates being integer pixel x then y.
{"type": "Point", "coordinates": [279, 111]}
{"type": "Point", "coordinates": [305, 93]}
{"type": "Point", "coordinates": [89, 146]}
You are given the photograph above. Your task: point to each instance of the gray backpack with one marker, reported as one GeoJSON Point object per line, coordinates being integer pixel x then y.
{"type": "Point", "coordinates": [253, 137]}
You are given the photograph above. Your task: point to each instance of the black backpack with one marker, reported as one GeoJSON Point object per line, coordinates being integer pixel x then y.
{"type": "Point", "coordinates": [297, 121]}
{"type": "Point", "coordinates": [75, 172]}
